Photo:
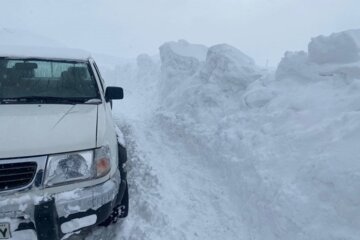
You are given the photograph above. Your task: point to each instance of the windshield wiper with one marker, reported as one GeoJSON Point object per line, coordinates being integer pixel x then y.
{"type": "Point", "coordinates": [42, 99]}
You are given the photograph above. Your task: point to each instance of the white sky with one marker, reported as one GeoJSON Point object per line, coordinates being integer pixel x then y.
{"type": "Point", "coordinates": [263, 29]}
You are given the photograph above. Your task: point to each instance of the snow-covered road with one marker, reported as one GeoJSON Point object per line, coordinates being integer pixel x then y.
{"type": "Point", "coordinates": [176, 194]}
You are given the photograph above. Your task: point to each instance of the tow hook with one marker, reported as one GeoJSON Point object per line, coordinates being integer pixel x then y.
{"type": "Point", "coordinates": [118, 212]}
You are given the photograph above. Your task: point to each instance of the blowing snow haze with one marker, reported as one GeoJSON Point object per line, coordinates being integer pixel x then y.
{"type": "Point", "coordinates": [263, 29]}
{"type": "Point", "coordinates": [219, 147]}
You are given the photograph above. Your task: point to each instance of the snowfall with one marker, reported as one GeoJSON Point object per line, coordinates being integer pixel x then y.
{"type": "Point", "coordinates": [220, 148]}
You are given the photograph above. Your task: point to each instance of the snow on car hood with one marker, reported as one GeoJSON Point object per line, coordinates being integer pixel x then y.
{"type": "Point", "coordinates": [31, 130]}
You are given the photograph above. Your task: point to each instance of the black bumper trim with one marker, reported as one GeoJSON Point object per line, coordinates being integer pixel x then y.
{"type": "Point", "coordinates": [46, 221]}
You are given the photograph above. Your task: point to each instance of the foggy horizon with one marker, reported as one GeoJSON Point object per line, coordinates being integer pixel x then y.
{"type": "Point", "coordinates": [264, 30]}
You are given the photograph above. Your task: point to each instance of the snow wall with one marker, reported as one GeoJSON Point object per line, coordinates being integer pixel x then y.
{"type": "Point", "coordinates": [239, 152]}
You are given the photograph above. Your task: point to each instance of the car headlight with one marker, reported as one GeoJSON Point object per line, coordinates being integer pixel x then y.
{"type": "Point", "coordinates": [77, 166]}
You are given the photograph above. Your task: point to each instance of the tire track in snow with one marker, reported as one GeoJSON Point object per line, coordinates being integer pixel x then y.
{"type": "Point", "coordinates": [144, 217]}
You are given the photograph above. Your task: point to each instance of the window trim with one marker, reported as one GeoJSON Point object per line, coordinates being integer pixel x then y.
{"type": "Point", "coordinates": [99, 76]}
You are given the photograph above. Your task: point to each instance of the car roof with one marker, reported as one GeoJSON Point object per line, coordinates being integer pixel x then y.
{"type": "Point", "coordinates": [50, 53]}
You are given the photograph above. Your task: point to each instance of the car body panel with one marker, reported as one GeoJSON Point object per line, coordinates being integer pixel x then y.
{"type": "Point", "coordinates": [42, 129]}
{"type": "Point", "coordinates": [107, 135]}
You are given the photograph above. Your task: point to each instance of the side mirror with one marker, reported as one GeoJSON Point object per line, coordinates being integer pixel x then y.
{"type": "Point", "coordinates": [113, 93]}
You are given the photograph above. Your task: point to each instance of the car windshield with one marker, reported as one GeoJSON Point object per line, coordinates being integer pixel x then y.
{"type": "Point", "coordinates": [46, 81]}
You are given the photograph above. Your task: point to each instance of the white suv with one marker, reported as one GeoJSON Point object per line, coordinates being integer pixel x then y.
{"type": "Point", "coordinates": [62, 168]}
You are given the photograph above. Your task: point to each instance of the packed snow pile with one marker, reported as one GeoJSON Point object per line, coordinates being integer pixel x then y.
{"type": "Point", "coordinates": [212, 86]}
{"type": "Point", "coordinates": [179, 60]}
{"type": "Point", "coordinates": [231, 151]}
{"type": "Point", "coordinates": [185, 49]}
{"type": "Point", "coordinates": [226, 65]}
{"type": "Point", "coordinates": [336, 56]}
{"type": "Point", "coordinates": [343, 47]}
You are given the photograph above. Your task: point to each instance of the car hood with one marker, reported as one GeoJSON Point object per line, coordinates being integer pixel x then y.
{"type": "Point", "coordinates": [33, 130]}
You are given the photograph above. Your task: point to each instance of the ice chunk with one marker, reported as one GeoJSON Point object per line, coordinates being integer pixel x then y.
{"type": "Point", "coordinates": [295, 65]}
{"type": "Point", "coordinates": [181, 58]}
{"type": "Point", "coordinates": [179, 61]}
{"type": "Point", "coordinates": [227, 65]}
{"type": "Point", "coordinates": [343, 47]}
{"type": "Point", "coordinates": [309, 67]}
{"type": "Point", "coordinates": [185, 49]}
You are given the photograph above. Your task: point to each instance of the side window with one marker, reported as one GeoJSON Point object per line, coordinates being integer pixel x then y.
{"type": "Point", "coordinates": [100, 78]}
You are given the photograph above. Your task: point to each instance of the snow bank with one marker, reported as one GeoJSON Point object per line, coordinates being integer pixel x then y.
{"type": "Point", "coordinates": [233, 152]}
{"type": "Point", "coordinates": [334, 57]}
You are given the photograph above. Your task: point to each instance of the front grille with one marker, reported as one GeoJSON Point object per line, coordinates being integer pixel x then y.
{"type": "Point", "coordinates": [16, 175]}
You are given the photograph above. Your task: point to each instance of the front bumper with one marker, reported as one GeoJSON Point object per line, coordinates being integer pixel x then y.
{"type": "Point", "coordinates": [36, 215]}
